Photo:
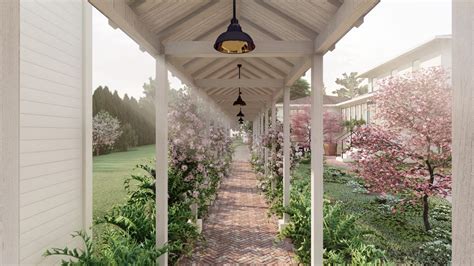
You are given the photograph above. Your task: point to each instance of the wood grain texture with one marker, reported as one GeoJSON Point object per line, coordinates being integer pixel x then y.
{"type": "Point", "coordinates": [9, 131]}
{"type": "Point", "coordinates": [463, 133]}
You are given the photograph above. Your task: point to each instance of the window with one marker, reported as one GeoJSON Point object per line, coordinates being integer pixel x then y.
{"type": "Point", "coordinates": [364, 112]}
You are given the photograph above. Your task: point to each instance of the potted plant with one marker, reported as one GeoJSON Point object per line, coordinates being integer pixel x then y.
{"type": "Point", "coordinates": [331, 127]}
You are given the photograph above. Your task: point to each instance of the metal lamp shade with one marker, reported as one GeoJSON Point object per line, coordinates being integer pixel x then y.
{"type": "Point", "coordinates": [240, 114]}
{"type": "Point", "coordinates": [239, 101]}
{"type": "Point", "coordinates": [234, 40]}
{"type": "Point", "coordinates": [241, 120]}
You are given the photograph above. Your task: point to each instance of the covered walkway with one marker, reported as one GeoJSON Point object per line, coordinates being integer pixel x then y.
{"type": "Point", "coordinates": [238, 229]}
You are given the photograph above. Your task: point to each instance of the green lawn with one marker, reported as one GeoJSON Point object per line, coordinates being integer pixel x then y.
{"type": "Point", "coordinates": [110, 171]}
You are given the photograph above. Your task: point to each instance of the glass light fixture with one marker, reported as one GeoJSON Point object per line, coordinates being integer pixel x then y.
{"type": "Point", "coordinates": [234, 40]}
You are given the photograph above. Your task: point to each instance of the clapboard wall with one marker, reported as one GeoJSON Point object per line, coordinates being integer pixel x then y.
{"type": "Point", "coordinates": [49, 196]}
{"type": "Point", "coordinates": [51, 125]}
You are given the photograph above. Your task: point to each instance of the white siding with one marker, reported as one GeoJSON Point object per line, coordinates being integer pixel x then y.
{"type": "Point", "coordinates": [51, 125]}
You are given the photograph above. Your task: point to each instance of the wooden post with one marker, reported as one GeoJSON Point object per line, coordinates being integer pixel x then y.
{"type": "Point", "coordinates": [273, 125]}
{"type": "Point", "coordinates": [463, 132]}
{"type": "Point", "coordinates": [9, 132]}
{"type": "Point", "coordinates": [87, 117]}
{"type": "Point", "coordinates": [317, 160]}
{"type": "Point", "coordinates": [266, 132]}
{"type": "Point", "coordinates": [286, 152]}
{"type": "Point", "coordinates": [161, 107]}
{"type": "Point", "coordinates": [261, 126]}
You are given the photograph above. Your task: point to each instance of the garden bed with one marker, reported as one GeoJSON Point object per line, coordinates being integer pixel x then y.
{"type": "Point", "coordinates": [399, 233]}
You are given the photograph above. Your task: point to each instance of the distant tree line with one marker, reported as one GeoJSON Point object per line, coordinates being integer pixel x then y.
{"type": "Point", "coordinates": [137, 118]}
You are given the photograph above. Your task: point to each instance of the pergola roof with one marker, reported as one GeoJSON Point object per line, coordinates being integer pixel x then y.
{"type": "Point", "coordinates": [286, 34]}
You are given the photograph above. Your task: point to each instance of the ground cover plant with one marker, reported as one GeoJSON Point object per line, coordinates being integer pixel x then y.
{"type": "Point", "coordinates": [199, 158]}
{"type": "Point", "coordinates": [376, 231]}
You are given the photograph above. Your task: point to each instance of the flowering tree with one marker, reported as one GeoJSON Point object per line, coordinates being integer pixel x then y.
{"type": "Point", "coordinates": [196, 153]}
{"type": "Point", "coordinates": [106, 130]}
{"type": "Point", "coordinates": [332, 125]}
{"type": "Point", "coordinates": [408, 152]}
{"type": "Point", "coordinates": [301, 128]}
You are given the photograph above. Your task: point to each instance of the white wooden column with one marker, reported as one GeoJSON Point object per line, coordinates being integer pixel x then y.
{"type": "Point", "coordinates": [161, 107]}
{"type": "Point", "coordinates": [261, 133]}
{"type": "Point", "coordinates": [463, 132]}
{"type": "Point", "coordinates": [266, 125]}
{"type": "Point", "coordinates": [273, 125]}
{"type": "Point", "coordinates": [9, 133]}
{"type": "Point", "coordinates": [286, 151]}
{"type": "Point", "coordinates": [273, 107]}
{"type": "Point", "coordinates": [317, 160]}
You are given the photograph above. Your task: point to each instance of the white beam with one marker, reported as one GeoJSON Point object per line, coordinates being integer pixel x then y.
{"type": "Point", "coordinates": [286, 152]}
{"type": "Point", "coordinates": [263, 49]}
{"type": "Point", "coordinates": [317, 160]}
{"type": "Point", "coordinates": [297, 71]}
{"type": "Point", "coordinates": [243, 83]}
{"type": "Point", "coordinates": [122, 16]}
{"type": "Point", "coordinates": [463, 132]}
{"type": "Point", "coordinates": [161, 108]}
{"type": "Point", "coordinates": [346, 17]}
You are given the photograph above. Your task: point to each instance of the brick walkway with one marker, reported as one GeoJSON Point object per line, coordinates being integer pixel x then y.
{"type": "Point", "coordinates": [238, 230]}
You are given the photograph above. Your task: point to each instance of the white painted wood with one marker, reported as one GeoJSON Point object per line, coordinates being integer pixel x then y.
{"type": "Point", "coordinates": [123, 16]}
{"type": "Point", "coordinates": [317, 160]}
{"type": "Point", "coordinates": [9, 131]}
{"type": "Point", "coordinates": [347, 16]}
{"type": "Point", "coordinates": [463, 132]}
{"type": "Point", "coordinates": [286, 152]}
{"type": "Point", "coordinates": [87, 116]}
{"type": "Point", "coordinates": [55, 113]}
{"type": "Point", "coordinates": [161, 106]}
{"type": "Point", "coordinates": [263, 49]}
{"type": "Point", "coordinates": [266, 127]}
{"type": "Point", "coordinates": [235, 83]}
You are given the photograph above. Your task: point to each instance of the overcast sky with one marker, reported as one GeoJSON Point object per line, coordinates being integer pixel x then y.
{"type": "Point", "coordinates": [391, 28]}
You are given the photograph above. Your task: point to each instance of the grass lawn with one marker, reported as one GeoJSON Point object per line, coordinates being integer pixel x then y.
{"type": "Point", "coordinates": [110, 171]}
{"type": "Point", "coordinates": [400, 233]}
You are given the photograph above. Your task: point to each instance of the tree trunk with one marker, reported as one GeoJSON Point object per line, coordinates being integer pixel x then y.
{"type": "Point", "coordinates": [426, 210]}
{"type": "Point", "coordinates": [426, 205]}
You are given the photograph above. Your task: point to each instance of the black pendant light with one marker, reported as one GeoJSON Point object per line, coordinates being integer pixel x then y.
{"type": "Point", "coordinates": [234, 40]}
{"type": "Point", "coordinates": [239, 100]}
{"type": "Point", "coordinates": [241, 120]}
{"type": "Point", "coordinates": [240, 114]}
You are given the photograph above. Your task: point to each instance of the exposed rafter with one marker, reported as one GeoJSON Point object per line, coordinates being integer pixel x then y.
{"type": "Point", "coordinates": [264, 49]}
{"type": "Point", "coordinates": [347, 16]}
{"type": "Point", "coordinates": [235, 83]}
{"type": "Point", "coordinates": [122, 16]}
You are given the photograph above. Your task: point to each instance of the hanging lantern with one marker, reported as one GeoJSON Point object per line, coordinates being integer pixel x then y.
{"type": "Point", "coordinates": [234, 40]}
{"type": "Point", "coordinates": [240, 114]}
{"type": "Point", "coordinates": [239, 100]}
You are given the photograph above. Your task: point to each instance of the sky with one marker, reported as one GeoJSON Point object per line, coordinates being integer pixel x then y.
{"type": "Point", "coordinates": [391, 28]}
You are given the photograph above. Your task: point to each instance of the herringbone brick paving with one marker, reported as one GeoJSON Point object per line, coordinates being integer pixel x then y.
{"type": "Point", "coordinates": [238, 229]}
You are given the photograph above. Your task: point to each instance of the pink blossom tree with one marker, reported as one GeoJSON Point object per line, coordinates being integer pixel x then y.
{"type": "Point", "coordinates": [408, 152]}
{"type": "Point", "coordinates": [105, 131]}
{"type": "Point", "coordinates": [301, 128]}
{"type": "Point", "coordinates": [332, 125]}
